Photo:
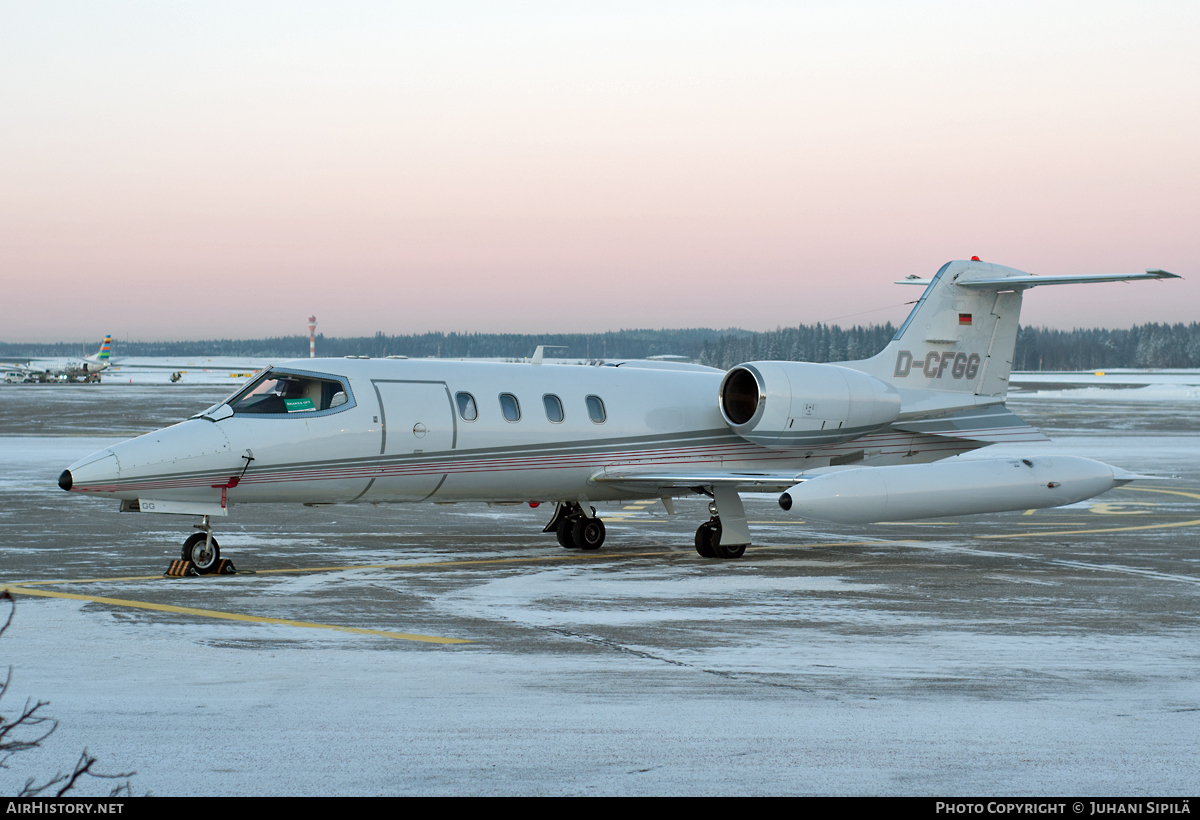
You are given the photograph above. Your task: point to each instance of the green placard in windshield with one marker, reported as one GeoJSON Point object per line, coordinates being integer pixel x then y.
{"type": "Point", "coordinates": [297, 405]}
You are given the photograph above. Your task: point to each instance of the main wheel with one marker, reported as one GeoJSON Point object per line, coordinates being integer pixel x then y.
{"type": "Point", "coordinates": [205, 561]}
{"type": "Point", "coordinates": [589, 533]}
{"type": "Point", "coordinates": [565, 532]}
{"type": "Point", "coordinates": [722, 551]}
{"type": "Point", "coordinates": [704, 539]}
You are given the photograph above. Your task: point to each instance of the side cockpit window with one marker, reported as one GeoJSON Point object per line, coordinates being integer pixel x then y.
{"type": "Point", "coordinates": [288, 394]}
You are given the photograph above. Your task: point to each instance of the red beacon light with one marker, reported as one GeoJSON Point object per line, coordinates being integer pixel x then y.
{"type": "Point", "coordinates": [975, 259]}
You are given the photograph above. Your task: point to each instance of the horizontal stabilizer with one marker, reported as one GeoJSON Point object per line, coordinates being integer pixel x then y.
{"type": "Point", "coordinates": [1031, 280]}
{"type": "Point", "coordinates": [995, 423]}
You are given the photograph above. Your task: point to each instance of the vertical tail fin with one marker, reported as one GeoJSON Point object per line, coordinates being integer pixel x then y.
{"type": "Point", "coordinates": [961, 336]}
{"type": "Point", "coordinates": [104, 352]}
{"type": "Point", "coordinates": [957, 339]}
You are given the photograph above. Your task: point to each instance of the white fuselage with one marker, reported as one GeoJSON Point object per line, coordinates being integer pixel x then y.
{"type": "Point", "coordinates": [400, 437]}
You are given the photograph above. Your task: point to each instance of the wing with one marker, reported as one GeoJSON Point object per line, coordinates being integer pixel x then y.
{"type": "Point", "coordinates": [990, 425]}
{"type": "Point", "coordinates": [700, 481]}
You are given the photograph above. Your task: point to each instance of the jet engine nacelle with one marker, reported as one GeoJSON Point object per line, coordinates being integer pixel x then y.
{"type": "Point", "coordinates": [798, 404]}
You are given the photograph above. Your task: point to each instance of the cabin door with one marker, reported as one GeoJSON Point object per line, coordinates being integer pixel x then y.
{"type": "Point", "coordinates": [419, 433]}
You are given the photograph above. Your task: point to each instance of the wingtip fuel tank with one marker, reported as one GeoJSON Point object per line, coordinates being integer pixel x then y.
{"type": "Point", "coordinates": [863, 495]}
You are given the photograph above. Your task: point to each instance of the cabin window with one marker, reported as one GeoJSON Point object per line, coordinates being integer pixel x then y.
{"type": "Point", "coordinates": [466, 406]}
{"type": "Point", "coordinates": [595, 406]}
{"type": "Point", "coordinates": [288, 394]}
{"type": "Point", "coordinates": [510, 407]}
{"type": "Point", "coordinates": [554, 410]}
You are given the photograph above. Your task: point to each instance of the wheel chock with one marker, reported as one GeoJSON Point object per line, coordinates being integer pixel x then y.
{"type": "Point", "coordinates": [180, 569]}
{"type": "Point", "coordinates": [185, 569]}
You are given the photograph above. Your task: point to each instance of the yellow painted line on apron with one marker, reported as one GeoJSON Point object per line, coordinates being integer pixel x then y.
{"type": "Point", "coordinates": [1168, 492]}
{"type": "Point", "coordinates": [229, 616]}
{"type": "Point", "coordinates": [1192, 523]}
{"type": "Point", "coordinates": [89, 580]}
{"type": "Point", "coordinates": [421, 565]}
{"type": "Point", "coordinates": [397, 565]}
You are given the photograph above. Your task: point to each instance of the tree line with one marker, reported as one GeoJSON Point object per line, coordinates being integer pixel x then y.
{"type": "Point", "coordinates": [1149, 345]}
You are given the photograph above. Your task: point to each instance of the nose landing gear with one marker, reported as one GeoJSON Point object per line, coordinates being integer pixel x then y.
{"type": "Point", "coordinates": [202, 549]}
{"type": "Point", "coordinates": [201, 555]}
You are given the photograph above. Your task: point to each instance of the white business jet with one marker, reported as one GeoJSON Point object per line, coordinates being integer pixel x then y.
{"type": "Point", "coordinates": [85, 368]}
{"type": "Point", "coordinates": [848, 442]}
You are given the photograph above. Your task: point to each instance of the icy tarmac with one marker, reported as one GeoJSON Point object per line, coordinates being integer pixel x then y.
{"type": "Point", "coordinates": [1048, 653]}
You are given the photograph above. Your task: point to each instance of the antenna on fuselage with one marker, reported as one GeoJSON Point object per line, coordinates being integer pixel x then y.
{"type": "Point", "coordinates": [537, 354]}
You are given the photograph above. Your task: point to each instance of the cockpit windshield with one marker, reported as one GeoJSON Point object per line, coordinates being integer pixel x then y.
{"type": "Point", "coordinates": [288, 393]}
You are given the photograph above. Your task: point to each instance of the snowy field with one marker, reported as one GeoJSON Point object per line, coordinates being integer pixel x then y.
{"type": "Point", "coordinates": [1053, 653]}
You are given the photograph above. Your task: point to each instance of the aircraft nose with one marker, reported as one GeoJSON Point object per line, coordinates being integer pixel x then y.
{"type": "Point", "coordinates": [98, 472]}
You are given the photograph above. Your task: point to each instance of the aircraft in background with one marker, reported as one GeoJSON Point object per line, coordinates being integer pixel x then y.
{"type": "Point", "coordinates": [851, 442]}
{"type": "Point", "coordinates": [68, 369]}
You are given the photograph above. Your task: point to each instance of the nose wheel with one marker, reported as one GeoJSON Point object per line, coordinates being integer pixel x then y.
{"type": "Point", "coordinates": [203, 551]}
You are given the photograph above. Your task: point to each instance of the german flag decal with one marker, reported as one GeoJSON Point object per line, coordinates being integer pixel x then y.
{"type": "Point", "coordinates": [964, 318]}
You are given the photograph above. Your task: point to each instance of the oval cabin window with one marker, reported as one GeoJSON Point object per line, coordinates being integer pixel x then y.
{"type": "Point", "coordinates": [595, 408]}
{"type": "Point", "coordinates": [466, 406]}
{"type": "Point", "coordinates": [510, 407]}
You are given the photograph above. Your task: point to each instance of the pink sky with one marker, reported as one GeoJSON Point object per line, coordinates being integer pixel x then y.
{"type": "Point", "coordinates": [202, 170]}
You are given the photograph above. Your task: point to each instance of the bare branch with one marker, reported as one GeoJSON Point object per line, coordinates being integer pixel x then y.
{"type": "Point", "coordinates": [27, 731]}
{"type": "Point", "coordinates": [5, 595]}
{"type": "Point", "coordinates": [29, 718]}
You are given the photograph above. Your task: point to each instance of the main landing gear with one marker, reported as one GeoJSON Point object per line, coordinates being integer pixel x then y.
{"type": "Point", "coordinates": [202, 549]}
{"type": "Point", "coordinates": [708, 539]}
{"type": "Point", "coordinates": [575, 529]}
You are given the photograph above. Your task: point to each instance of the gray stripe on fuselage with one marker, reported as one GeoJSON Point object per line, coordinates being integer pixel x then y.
{"type": "Point", "coordinates": [695, 439]}
{"type": "Point", "coordinates": [569, 448]}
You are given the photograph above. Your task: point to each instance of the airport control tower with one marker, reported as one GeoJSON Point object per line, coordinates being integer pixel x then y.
{"type": "Point", "coordinates": [312, 337]}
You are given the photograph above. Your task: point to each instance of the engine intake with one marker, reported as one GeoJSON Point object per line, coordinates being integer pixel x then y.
{"type": "Point", "coordinates": [785, 405]}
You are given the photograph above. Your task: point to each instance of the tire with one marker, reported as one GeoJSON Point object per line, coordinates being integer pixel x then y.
{"type": "Point", "coordinates": [704, 539]}
{"type": "Point", "coordinates": [589, 533]}
{"type": "Point", "coordinates": [565, 532]}
{"type": "Point", "coordinates": [193, 550]}
{"type": "Point", "coordinates": [722, 551]}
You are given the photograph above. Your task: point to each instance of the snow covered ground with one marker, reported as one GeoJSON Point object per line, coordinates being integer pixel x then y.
{"type": "Point", "coordinates": [1002, 654]}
